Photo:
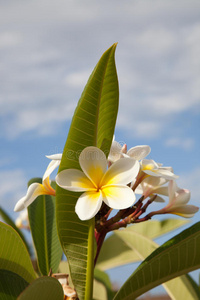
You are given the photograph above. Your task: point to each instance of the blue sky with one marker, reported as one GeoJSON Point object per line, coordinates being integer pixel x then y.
{"type": "Point", "coordinates": [49, 48]}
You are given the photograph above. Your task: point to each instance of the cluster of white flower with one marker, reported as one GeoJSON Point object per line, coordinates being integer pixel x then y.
{"type": "Point", "coordinates": [114, 181]}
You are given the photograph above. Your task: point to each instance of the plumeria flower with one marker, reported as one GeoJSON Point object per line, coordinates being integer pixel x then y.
{"type": "Point", "coordinates": [150, 167]}
{"type": "Point", "coordinates": [98, 183]}
{"type": "Point", "coordinates": [117, 151]}
{"type": "Point", "coordinates": [151, 186]}
{"type": "Point", "coordinates": [178, 199]}
{"type": "Point", "coordinates": [37, 189]}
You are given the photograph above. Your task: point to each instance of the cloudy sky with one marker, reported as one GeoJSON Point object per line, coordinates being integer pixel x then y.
{"type": "Point", "coordinates": [49, 48]}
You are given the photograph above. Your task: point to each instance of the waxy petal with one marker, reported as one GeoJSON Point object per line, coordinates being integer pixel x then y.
{"type": "Point", "coordinates": [118, 197]}
{"type": "Point", "coordinates": [186, 211]}
{"type": "Point", "coordinates": [152, 184]}
{"type": "Point", "coordinates": [148, 164]}
{"type": "Point", "coordinates": [88, 205]}
{"type": "Point", "coordinates": [34, 190]}
{"type": "Point", "coordinates": [182, 197]}
{"type": "Point", "coordinates": [123, 171]}
{"type": "Point", "coordinates": [93, 162]}
{"type": "Point", "coordinates": [74, 180]}
{"type": "Point", "coordinates": [50, 168]}
{"type": "Point", "coordinates": [115, 152]}
{"type": "Point", "coordinates": [57, 156]}
{"type": "Point", "coordinates": [167, 174]}
{"type": "Point", "coordinates": [139, 152]}
{"type": "Point", "coordinates": [45, 180]}
{"type": "Point", "coordinates": [163, 190]}
{"type": "Point", "coordinates": [172, 188]}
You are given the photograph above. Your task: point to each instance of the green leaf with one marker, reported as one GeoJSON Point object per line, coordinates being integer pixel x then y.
{"type": "Point", "coordinates": [11, 285]}
{"type": "Point", "coordinates": [194, 285]}
{"type": "Point", "coordinates": [115, 252]}
{"type": "Point", "coordinates": [10, 222]}
{"type": "Point", "coordinates": [14, 256]}
{"type": "Point", "coordinates": [176, 257]}
{"type": "Point", "coordinates": [154, 228]}
{"type": "Point", "coordinates": [100, 292]}
{"type": "Point", "coordinates": [43, 288]}
{"type": "Point", "coordinates": [42, 218]}
{"type": "Point", "coordinates": [93, 124]}
{"type": "Point", "coordinates": [102, 277]}
{"type": "Point", "coordinates": [144, 246]}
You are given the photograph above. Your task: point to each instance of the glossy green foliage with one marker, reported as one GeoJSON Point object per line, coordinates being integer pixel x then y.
{"type": "Point", "coordinates": [93, 124]}
{"type": "Point", "coordinates": [177, 288]}
{"type": "Point", "coordinates": [42, 219]}
{"type": "Point", "coordinates": [10, 222]}
{"type": "Point", "coordinates": [11, 285]}
{"type": "Point", "coordinates": [14, 256]}
{"type": "Point", "coordinates": [43, 288]}
{"type": "Point", "coordinates": [103, 278]}
{"type": "Point", "coordinates": [116, 252]}
{"type": "Point", "coordinates": [178, 256]}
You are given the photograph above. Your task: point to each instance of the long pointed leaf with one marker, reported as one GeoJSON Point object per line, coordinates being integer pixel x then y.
{"type": "Point", "coordinates": [14, 256]}
{"type": "Point", "coordinates": [178, 256]}
{"type": "Point", "coordinates": [93, 124]}
{"type": "Point", "coordinates": [115, 252]}
{"type": "Point", "coordinates": [10, 222]}
{"type": "Point", "coordinates": [42, 219]}
{"type": "Point", "coordinates": [177, 288]}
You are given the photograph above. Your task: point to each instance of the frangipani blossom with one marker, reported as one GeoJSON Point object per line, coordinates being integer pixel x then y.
{"type": "Point", "coordinates": [151, 186]}
{"type": "Point", "coordinates": [37, 189]}
{"type": "Point", "coordinates": [178, 199]}
{"type": "Point", "coordinates": [150, 167]}
{"type": "Point", "coordinates": [117, 151]}
{"type": "Point", "coordinates": [99, 184]}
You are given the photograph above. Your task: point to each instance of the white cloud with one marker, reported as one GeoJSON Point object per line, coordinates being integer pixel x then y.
{"type": "Point", "coordinates": [9, 39]}
{"type": "Point", "coordinates": [183, 143]}
{"type": "Point", "coordinates": [190, 180]}
{"type": "Point", "coordinates": [77, 79]}
{"type": "Point", "coordinates": [48, 47]}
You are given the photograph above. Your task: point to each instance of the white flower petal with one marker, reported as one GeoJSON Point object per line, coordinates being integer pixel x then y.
{"type": "Point", "coordinates": [115, 152]}
{"type": "Point", "coordinates": [172, 188]}
{"type": "Point", "coordinates": [151, 173]}
{"type": "Point", "coordinates": [123, 171]}
{"type": "Point", "coordinates": [34, 190]}
{"type": "Point", "coordinates": [74, 180]}
{"type": "Point", "coordinates": [167, 174]}
{"type": "Point", "coordinates": [182, 197]}
{"type": "Point", "coordinates": [139, 152]}
{"type": "Point", "coordinates": [154, 182]}
{"type": "Point", "coordinates": [88, 205]}
{"type": "Point", "coordinates": [139, 189]}
{"type": "Point", "coordinates": [118, 197]}
{"type": "Point", "coordinates": [50, 168]}
{"type": "Point", "coordinates": [93, 162]}
{"type": "Point", "coordinates": [186, 211]}
{"type": "Point", "coordinates": [163, 190]}
{"type": "Point", "coordinates": [57, 156]}
{"type": "Point", "coordinates": [149, 164]}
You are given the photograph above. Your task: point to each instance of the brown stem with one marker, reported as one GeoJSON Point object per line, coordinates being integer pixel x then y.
{"type": "Point", "coordinates": [146, 218]}
{"type": "Point", "coordinates": [100, 236]}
